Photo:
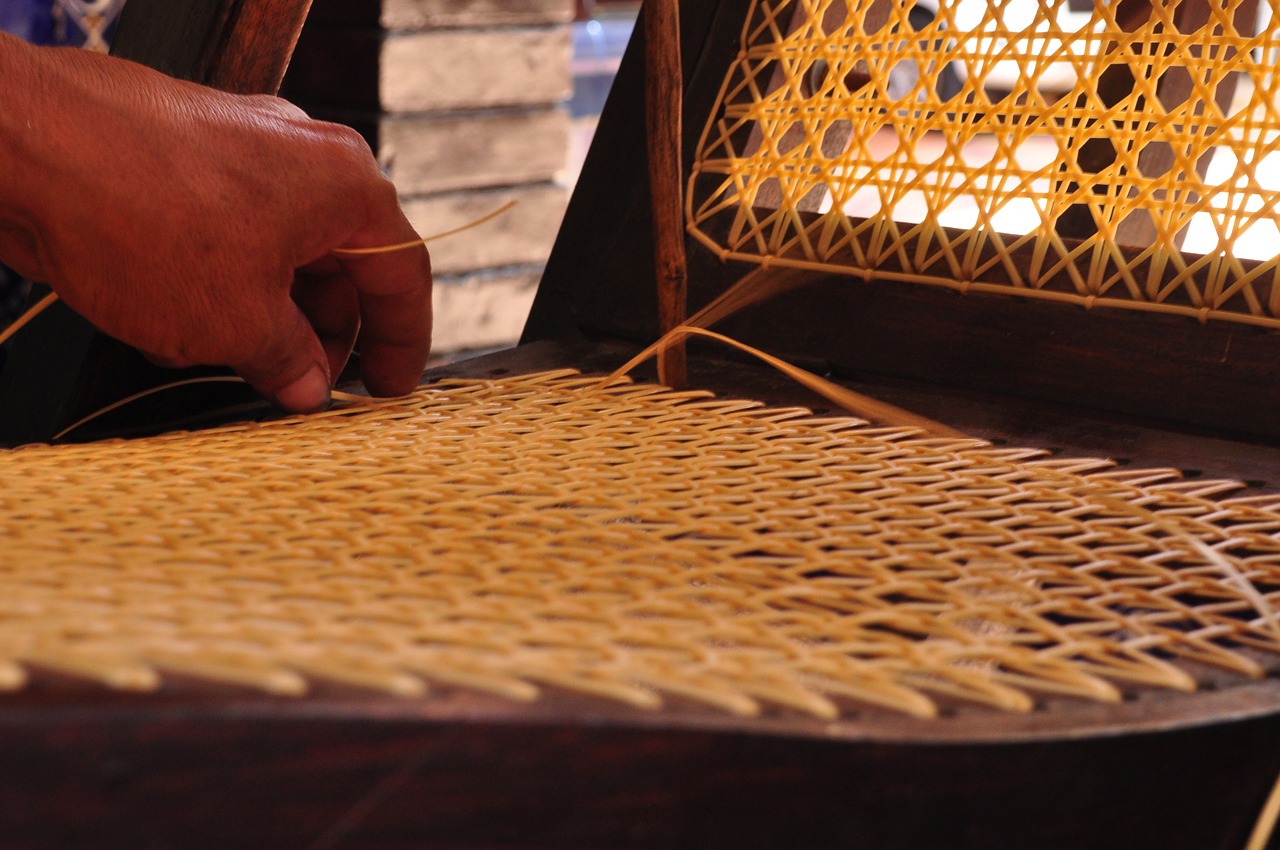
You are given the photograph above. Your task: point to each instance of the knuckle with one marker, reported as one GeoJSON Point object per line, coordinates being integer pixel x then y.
{"type": "Point", "coordinates": [277, 106]}
{"type": "Point", "coordinates": [347, 142]}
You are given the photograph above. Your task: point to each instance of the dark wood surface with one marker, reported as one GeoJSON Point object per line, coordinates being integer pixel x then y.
{"type": "Point", "coordinates": [199, 766]}
{"type": "Point", "coordinates": [1219, 375]}
{"type": "Point", "coordinates": [664, 88]}
{"type": "Point", "coordinates": [256, 45]}
{"type": "Point", "coordinates": [258, 774]}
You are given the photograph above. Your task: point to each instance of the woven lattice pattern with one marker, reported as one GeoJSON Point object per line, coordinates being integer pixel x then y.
{"type": "Point", "coordinates": [629, 542]}
{"type": "Point", "coordinates": [1009, 147]}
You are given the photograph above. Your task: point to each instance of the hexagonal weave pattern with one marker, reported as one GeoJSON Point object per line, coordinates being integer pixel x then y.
{"type": "Point", "coordinates": [1019, 148]}
{"type": "Point", "coordinates": [629, 542]}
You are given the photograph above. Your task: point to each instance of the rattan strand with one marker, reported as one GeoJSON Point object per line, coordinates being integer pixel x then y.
{"type": "Point", "coordinates": [628, 542]}
{"type": "Point", "coordinates": [793, 89]}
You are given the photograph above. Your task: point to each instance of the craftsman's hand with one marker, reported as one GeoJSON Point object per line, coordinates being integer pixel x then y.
{"type": "Point", "coordinates": [199, 227]}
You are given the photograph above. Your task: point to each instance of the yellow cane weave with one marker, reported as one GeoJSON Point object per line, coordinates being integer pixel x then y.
{"type": "Point", "coordinates": [967, 186]}
{"type": "Point", "coordinates": [628, 542]}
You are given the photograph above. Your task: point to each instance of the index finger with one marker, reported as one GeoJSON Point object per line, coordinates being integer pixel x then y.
{"type": "Point", "coordinates": [394, 291]}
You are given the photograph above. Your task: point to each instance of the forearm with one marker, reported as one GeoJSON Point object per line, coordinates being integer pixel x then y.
{"type": "Point", "coordinates": [92, 148]}
{"type": "Point", "coordinates": [21, 151]}
{"type": "Point", "coordinates": [60, 118]}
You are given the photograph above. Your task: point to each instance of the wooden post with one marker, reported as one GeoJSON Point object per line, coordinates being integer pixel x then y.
{"type": "Point", "coordinates": [664, 90]}
{"type": "Point", "coordinates": [240, 46]}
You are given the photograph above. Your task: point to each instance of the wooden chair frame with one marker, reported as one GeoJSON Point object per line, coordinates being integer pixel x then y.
{"type": "Point", "coordinates": [206, 766]}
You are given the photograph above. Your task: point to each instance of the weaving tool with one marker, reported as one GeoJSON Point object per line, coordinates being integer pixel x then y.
{"type": "Point", "coordinates": [523, 608]}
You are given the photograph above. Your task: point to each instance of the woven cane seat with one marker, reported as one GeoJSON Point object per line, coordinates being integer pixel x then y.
{"type": "Point", "coordinates": [496, 582]}
{"type": "Point", "coordinates": [634, 544]}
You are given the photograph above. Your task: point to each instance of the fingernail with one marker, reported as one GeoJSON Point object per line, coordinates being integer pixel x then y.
{"type": "Point", "coordinates": [308, 393]}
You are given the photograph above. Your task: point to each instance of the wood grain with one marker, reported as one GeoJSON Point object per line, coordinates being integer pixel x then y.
{"type": "Point", "coordinates": [664, 92]}
{"type": "Point", "coordinates": [256, 44]}
{"type": "Point", "coordinates": [333, 773]}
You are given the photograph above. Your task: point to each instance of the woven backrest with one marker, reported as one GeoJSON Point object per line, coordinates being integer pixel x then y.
{"type": "Point", "coordinates": [1023, 148]}
{"type": "Point", "coordinates": [888, 157]}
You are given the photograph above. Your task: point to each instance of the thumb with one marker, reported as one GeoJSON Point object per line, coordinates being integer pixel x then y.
{"type": "Point", "coordinates": [291, 368]}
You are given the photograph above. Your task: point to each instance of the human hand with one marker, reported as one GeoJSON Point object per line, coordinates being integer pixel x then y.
{"type": "Point", "coordinates": [200, 227]}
